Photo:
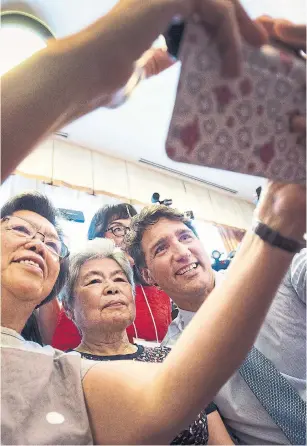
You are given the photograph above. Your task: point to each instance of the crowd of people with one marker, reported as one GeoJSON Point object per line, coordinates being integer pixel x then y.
{"type": "Point", "coordinates": [231, 367]}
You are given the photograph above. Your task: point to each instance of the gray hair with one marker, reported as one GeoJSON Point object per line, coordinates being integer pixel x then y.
{"type": "Point", "coordinates": [99, 248]}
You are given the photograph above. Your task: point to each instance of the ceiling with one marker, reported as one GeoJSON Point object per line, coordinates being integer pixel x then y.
{"type": "Point", "coordinates": [139, 128]}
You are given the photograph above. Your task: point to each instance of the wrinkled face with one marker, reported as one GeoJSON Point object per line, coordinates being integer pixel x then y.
{"type": "Point", "coordinates": [117, 229]}
{"type": "Point", "coordinates": [103, 297]}
{"type": "Point", "coordinates": [28, 269]}
{"type": "Point", "coordinates": [178, 263]}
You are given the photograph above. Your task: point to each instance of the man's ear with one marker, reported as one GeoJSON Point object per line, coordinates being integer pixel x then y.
{"type": "Point", "coordinates": [147, 276]}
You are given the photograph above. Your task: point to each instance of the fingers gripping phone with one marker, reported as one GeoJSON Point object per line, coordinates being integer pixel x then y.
{"type": "Point", "coordinates": [242, 124]}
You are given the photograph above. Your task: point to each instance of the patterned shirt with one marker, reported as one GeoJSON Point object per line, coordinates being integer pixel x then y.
{"type": "Point", "coordinates": [197, 432]}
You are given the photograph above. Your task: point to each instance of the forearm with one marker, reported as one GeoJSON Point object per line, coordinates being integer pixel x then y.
{"type": "Point", "coordinates": [218, 433]}
{"type": "Point", "coordinates": [225, 328]}
{"type": "Point", "coordinates": [75, 75]}
{"type": "Point", "coordinates": [37, 98]}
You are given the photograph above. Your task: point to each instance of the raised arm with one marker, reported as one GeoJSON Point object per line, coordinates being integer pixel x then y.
{"type": "Point", "coordinates": [151, 404]}
{"type": "Point", "coordinates": [77, 74]}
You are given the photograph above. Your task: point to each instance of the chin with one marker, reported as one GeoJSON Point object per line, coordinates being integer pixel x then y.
{"type": "Point", "coordinates": [29, 291]}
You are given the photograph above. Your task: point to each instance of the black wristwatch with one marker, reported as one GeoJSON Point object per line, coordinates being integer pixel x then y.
{"type": "Point", "coordinates": [274, 238]}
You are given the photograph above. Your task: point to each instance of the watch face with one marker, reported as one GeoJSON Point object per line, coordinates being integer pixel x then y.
{"type": "Point", "coordinates": [216, 254]}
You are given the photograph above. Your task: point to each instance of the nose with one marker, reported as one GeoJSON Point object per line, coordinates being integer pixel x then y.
{"type": "Point", "coordinates": [38, 246]}
{"type": "Point", "coordinates": [110, 289]}
{"type": "Point", "coordinates": [181, 253]}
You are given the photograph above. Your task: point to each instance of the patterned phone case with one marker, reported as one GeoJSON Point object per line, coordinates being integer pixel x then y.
{"type": "Point", "coordinates": [238, 124]}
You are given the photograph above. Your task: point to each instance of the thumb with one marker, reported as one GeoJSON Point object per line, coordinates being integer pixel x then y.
{"type": "Point", "coordinates": [294, 35]}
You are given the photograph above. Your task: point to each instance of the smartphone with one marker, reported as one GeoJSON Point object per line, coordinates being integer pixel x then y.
{"type": "Point", "coordinates": [242, 124]}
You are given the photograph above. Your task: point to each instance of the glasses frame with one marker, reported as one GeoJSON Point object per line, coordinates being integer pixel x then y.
{"type": "Point", "coordinates": [125, 229]}
{"type": "Point", "coordinates": [27, 238]}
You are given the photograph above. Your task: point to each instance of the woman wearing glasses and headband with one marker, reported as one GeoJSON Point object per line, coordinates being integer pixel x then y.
{"type": "Point", "coordinates": [153, 310]}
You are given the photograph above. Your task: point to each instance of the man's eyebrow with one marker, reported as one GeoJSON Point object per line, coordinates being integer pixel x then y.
{"type": "Point", "coordinates": [165, 238]}
{"type": "Point", "coordinates": [158, 242]}
{"type": "Point", "coordinates": [183, 230]}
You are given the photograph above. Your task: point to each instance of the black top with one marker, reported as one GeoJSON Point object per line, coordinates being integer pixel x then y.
{"type": "Point", "coordinates": [197, 432]}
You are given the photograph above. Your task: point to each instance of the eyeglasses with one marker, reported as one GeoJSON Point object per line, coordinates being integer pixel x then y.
{"type": "Point", "coordinates": [118, 231]}
{"type": "Point", "coordinates": [23, 228]}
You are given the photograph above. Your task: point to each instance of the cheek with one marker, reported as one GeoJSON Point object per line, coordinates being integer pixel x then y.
{"type": "Point", "coordinates": [53, 273]}
{"type": "Point", "coordinates": [111, 236]}
{"type": "Point", "coordinates": [85, 304]}
{"type": "Point", "coordinates": [7, 250]}
{"type": "Point", "coordinates": [160, 270]}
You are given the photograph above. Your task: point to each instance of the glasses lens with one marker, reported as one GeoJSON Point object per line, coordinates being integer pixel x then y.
{"type": "Point", "coordinates": [57, 247]}
{"type": "Point", "coordinates": [21, 227]}
{"type": "Point", "coordinates": [119, 231]}
{"type": "Point", "coordinates": [25, 229]}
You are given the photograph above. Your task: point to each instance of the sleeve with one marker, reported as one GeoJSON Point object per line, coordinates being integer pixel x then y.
{"type": "Point", "coordinates": [298, 274]}
{"type": "Point", "coordinates": [210, 408]}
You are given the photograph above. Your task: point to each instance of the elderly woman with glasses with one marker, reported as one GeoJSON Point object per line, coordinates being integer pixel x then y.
{"type": "Point", "coordinates": [153, 308]}
{"type": "Point", "coordinates": [99, 298]}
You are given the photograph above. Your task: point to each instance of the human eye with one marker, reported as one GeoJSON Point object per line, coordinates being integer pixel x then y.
{"type": "Point", "coordinates": [120, 279]}
{"type": "Point", "coordinates": [54, 246]}
{"type": "Point", "coordinates": [93, 281]}
{"type": "Point", "coordinates": [21, 229]}
{"type": "Point", "coordinates": [185, 236]}
{"type": "Point", "coordinates": [160, 249]}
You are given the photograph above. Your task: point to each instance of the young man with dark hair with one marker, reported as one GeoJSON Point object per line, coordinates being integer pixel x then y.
{"type": "Point", "coordinates": [163, 243]}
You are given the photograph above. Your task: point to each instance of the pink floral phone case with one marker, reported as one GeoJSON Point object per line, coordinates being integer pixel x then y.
{"type": "Point", "coordinates": [238, 124]}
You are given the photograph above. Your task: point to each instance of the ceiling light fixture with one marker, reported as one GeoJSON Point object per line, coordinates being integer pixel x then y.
{"type": "Point", "coordinates": [21, 35]}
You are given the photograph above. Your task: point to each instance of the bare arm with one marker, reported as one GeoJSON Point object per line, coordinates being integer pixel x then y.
{"type": "Point", "coordinates": [218, 433]}
{"type": "Point", "coordinates": [48, 316]}
{"type": "Point", "coordinates": [152, 404]}
{"type": "Point", "coordinates": [78, 74]}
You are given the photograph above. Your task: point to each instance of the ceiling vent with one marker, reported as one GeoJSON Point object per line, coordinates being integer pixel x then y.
{"type": "Point", "coordinates": [62, 134]}
{"type": "Point", "coordinates": [187, 176]}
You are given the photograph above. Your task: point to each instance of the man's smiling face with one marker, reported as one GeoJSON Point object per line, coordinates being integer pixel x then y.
{"type": "Point", "coordinates": [177, 262]}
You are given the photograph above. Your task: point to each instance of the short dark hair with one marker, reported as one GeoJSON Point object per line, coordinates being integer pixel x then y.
{"type": "Point", "coordinates": [147, 217]}
{"type": "Point", "coordinates": [105, 215]}
{"type": "Point", "coordinates": [41, 205]}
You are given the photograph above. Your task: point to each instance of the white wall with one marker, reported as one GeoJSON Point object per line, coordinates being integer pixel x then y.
{"type": "Point", "coordinates": [60, 163]}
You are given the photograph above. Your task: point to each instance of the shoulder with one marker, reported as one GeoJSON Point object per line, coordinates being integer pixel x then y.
{"type": "Point", "coordinates": [295, 279]}
{"type": "Point", "coordinates": [37, 370]}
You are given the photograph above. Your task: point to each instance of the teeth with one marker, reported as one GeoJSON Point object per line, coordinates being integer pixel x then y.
{"type": "Point", "coordinates": [30, 262]}
{"type": "Point", "coordinates": [188, 268]}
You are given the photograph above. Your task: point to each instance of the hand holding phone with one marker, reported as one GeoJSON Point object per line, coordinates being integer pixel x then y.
{"type": "Point", "coordinates": [238, 124]}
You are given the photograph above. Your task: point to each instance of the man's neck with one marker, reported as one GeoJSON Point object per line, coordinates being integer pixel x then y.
{"type": "Point", "coordinates": [14, 312]}
{"type": "Point", "coordinates": [193, 303]}
{"type": "Point", "coordinates": [106, 344]}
